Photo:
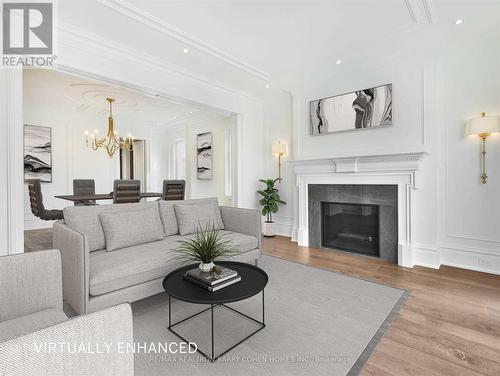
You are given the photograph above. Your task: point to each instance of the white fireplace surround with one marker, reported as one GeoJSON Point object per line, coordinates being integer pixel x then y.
{"type": "Point", "coordinates": [393, 169]}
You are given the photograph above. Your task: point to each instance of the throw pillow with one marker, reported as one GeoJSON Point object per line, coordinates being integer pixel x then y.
{"type": "Point", "coordinates": [124, 229]}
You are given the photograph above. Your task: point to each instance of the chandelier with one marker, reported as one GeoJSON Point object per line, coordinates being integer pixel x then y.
{"type": "Point", "coordinates": [112, 141]}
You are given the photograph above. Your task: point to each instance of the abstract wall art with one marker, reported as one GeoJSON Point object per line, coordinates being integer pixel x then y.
{"type": "Point", "coordinates": [362, 109]}
{"type": "Point", "coordinates": [204, 158]}
{"type": "Point", "coordinates": [37, 153]}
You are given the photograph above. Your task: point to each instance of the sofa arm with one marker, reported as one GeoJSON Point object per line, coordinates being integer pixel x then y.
{"type": "Point", "coordinates": [245, 221]}
{"type": "Point", "coordinates": [75, 265]}
{"type": "Point", "coordinates": [108, 331]}
{"type": "Point", "coordinates": [30, 282]}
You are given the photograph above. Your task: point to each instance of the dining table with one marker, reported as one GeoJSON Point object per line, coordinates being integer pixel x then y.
{"type": "Point", "coordinates": [102, 196]}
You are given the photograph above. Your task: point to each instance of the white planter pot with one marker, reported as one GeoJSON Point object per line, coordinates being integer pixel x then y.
{"type": "Point", "coordinates": [268, 229]}
{"type": "Point", "coordinates": [206, 267]}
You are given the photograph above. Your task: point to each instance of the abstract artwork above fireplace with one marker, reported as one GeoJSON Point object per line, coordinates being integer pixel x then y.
{"type": "Point", "coordinates": [362, 109]}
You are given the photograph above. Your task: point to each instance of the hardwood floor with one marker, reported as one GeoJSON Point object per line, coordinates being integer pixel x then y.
{"type": "Point", "coordinates": [449, 325]}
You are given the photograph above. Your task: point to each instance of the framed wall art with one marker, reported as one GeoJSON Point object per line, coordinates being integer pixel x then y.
{"type": "Point", "coordinates": [205, 156]}
{"type": "Point", "coordinates": [37, 153]}
{"type": "Point", "coordinates": [362, 109]}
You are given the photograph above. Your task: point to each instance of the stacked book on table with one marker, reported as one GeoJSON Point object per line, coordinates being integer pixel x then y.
{"type": "Point", "coordinates": [217, 279]}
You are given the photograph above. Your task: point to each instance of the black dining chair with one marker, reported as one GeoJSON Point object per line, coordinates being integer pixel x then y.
{"type": "Point", "coordinates": [126, 191]}
{"type": "Point", "coordinates": [84, 187]}
{"type": "Point", "coordinates": [36, 203]}
{"type": "Point", "coordinates": [173, 190]}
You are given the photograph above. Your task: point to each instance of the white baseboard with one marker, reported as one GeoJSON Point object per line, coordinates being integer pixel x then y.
{"type": "Point", "coordinates": [426, 255]}
{"type": "Point", "coordinates": [481, 260]}
{"type": "Point", "coordinates": [283, 226]}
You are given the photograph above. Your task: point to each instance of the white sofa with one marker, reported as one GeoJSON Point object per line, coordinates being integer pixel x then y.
{"type": "Point", "coordinates": [101, 265]}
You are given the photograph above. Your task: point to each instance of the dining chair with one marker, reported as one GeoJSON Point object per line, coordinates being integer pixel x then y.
{"type": "Point", "coordinates": [36, 203]}
{"type": "Point", "coordinates": [84, 187]}
{"type": "Point", "coordinates": [126, 191]}
{"type": "Point", "coordinates": [173, 189]}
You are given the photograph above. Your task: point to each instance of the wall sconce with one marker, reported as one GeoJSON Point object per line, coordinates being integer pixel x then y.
{"type": "Point", "coordinates": [280, 150]}
{"type": "Point", "coordinates": [483, 126]}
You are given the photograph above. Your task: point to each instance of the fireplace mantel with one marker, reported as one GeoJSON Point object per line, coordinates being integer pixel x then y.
{"type": "Point", "coordinates": [387, 162]}
{"type": "Point", "coordinates": [397, 169]}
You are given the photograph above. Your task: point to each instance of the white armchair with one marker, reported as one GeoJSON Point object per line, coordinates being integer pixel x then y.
{"type": "Point", "coordinates": [51, 351]}
{"type": "Point", "coordinates": [32, 320]}
{"type": "Point", "coordinates": [30, 292]}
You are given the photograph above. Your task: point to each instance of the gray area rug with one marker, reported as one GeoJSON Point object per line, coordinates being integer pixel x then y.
{"type": "Point", "coordinates": [317, 323]}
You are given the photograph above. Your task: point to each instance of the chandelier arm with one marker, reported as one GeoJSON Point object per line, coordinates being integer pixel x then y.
{"type": "Point", "coordinates": [111, 142]}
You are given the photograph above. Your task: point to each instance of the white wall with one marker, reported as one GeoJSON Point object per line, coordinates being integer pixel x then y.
{"type": "Point", "coordinates": [457, 217]}
{"type": "Point", "coordinates": [278, 127]}
{"type": "Point", "coordinates": [188, 130]}
{"type": "Point", "coordinates": [470, 232]}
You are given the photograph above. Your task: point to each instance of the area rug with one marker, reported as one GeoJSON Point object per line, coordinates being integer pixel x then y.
{"type": "Point", "coordinates": [317, 323]}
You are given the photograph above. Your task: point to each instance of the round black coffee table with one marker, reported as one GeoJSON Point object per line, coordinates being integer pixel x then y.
{"type": "Point", "coordinates": [253, 281]}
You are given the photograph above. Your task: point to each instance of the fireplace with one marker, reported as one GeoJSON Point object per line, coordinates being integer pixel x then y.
{"type": "Point", "coordinates": [387, 180]}
{"type": "Point", "coordinates": [351, 227]}
{"type": "Point", "coordinates": [359, 218]}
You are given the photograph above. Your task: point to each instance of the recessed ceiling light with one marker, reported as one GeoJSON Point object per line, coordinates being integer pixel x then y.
{"type": "Point", "coordinates": [459, 21]}
{"type": "Point", "coordinates": [268, 86]}
{"type": "Point", "coordinates": [338, 62]}
{"type": "Point", "coordinates": [186, 50]}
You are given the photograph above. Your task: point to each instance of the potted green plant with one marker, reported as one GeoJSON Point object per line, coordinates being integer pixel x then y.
{"type": "Point", "coordinates": [269, 202]}
{"type": "Point", "coordinates": [205, 246]}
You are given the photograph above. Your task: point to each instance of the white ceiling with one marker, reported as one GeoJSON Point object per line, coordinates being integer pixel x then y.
{"type": "Point", "coordinates": [53, 89]}
{"type": "Point", "coordinates": [246, 44]}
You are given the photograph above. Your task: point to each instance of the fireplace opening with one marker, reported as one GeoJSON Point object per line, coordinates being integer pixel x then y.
{"type": "Point", "coordinates": [351, 227]}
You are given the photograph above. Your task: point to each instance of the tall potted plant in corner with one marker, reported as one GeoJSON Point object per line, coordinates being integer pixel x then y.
{"type": "Point", "coordinates": [269, 202]}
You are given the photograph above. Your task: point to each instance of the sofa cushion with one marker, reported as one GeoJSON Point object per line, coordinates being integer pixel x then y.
{"type": "Point", "coordinates": [85, 220]}
{"type": "Point", "coordinates": [111, 271]}
{"type": "Point", "coordinates": [242, 242]}
{"type": "Point", "coordinates": [169, 219]}
{"type": "Point", "coordinates": [192, 217]}
{"type": "Point", "coordinates": [124, 229]}
{"type": "Point", "coordinates": [30, 323]}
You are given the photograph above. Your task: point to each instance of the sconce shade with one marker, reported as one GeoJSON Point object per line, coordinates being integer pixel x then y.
{"type": "Point", "coordinates": [279, 148]}
{"type": "Point", "coordinates": [483, 124]}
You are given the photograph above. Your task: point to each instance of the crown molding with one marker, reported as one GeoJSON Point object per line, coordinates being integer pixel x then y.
{"type": "Point", "coordinates": [96, 44]}
{"type": "Point", "coordinates": [420, 11]}
{"type": "Point", "coordinates": [165, 28]}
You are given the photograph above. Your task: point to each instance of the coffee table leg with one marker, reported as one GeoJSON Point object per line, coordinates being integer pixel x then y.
{"type": "Point", "coordinates": [213, 358]}
{"type": "Point", "coordinates": [212, 321]}
{"type": "Point", "coordinates": [263, 315]}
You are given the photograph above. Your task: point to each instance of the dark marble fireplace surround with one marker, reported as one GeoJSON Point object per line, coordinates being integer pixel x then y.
{"type": "Point", "coordinates": [384, 195]}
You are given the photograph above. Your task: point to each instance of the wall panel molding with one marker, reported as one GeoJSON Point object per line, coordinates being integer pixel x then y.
{"type": "Point", "coordinates": [15, 155]}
